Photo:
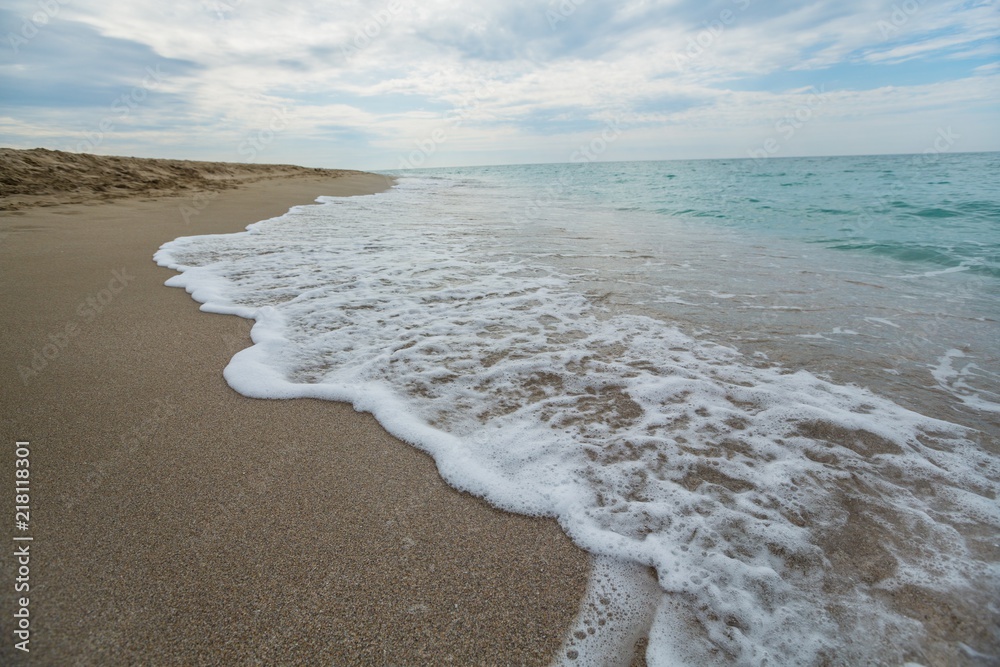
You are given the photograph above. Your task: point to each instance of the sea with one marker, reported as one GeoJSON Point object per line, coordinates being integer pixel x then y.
{"type": "Point", "coordinates": [764, 393]}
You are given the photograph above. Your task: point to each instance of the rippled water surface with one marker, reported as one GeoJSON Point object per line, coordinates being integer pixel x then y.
{"type": "Point", "coordinates": [766, 394]}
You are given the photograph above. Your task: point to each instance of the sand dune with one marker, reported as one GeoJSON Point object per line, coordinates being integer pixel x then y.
{"type": "Point", "coordinates": [41, 177]}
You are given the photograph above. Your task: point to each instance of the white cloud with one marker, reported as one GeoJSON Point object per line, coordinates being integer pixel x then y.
{"type": "Point", "coordinates": [380, 76]}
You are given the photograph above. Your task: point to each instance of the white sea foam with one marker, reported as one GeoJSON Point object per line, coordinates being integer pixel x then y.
{"type": "Point", "coordinates": [738, 482]}
{"type": "Point", "coordinates": [956, 381]}
{"type": "Point", "coordinates": [939, 272]}
{"type": "Point", "coordinates": [882, 320]}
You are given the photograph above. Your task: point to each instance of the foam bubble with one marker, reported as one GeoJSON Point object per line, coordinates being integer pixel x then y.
{"type": "Point", "coordinates": [615, 615]}
{"type": "Point", "coordinates": [775, 508]}
{"type": "Point", "coordinates": [965, 383]}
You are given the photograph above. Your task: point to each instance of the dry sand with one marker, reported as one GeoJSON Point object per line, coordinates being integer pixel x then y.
{"type": "Point", "coordinates": [177, 522]}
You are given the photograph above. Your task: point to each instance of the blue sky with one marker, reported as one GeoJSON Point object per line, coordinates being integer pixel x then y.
{"type": "Point", "coordinates": [401, 83]}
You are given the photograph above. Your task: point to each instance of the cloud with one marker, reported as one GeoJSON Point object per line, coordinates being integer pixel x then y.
{"type": "Point", "coordinates": [364, 82]}
{"type": "Point", "coordinates": [74, 66]}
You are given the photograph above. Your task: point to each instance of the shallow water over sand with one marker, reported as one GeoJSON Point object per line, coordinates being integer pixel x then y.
{"type": "Point", "coordinates": [792, 433]}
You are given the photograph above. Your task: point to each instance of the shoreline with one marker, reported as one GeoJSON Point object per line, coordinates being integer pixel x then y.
{"type": "Point", "coordinates": [176, 521]}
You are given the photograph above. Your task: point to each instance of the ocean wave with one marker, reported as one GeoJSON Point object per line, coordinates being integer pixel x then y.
{"type": "Point", "coordinates": [779, 511]}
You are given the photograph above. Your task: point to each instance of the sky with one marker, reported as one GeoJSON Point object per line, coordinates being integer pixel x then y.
{"type": "Point", "coordinates": [396, 84]}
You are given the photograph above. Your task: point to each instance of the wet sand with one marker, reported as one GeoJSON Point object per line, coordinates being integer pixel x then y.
{"type": "Point", "coordinates": [177, 522]}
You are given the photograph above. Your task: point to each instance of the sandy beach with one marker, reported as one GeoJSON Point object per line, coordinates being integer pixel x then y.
{"type": "Point", "coordinates": [177, 522]}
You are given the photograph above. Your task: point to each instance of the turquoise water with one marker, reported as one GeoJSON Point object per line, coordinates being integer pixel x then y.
{"type": "Point", "coordinates": [939, 210]}
{"type": "Point", "coordinates": [892, 261]}
{"type": "Point", "coordinates": [763, 394]}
